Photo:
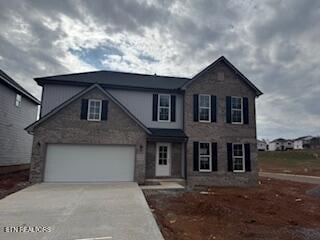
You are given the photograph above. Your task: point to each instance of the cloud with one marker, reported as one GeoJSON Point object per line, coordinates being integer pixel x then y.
{"type": "Point", "coordinates": [274, 43]}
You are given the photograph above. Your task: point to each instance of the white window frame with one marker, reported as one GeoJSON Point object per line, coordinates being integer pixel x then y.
{"type": "Point", "coordinates": [209, 108]}
{"type": "Point", "coordinates": [199, 160]}
{"type": "Point", "coordinates": [88, 114]}
{"type": "Point", "coordinates": [243, 158]}
{"type": "Point", "coordinates": [169, 107]}
{"type": "Point", "coordinates": [18, 100]}
{"type": "Point", "coordinates": [236, 109]}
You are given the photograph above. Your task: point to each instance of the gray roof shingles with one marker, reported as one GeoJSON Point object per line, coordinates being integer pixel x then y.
{"type": "Point", "coordinates": [135, 80]}
{"type": "Point", "coordinates": [122, 79]}
{"type": "Point", "coordinates": [166, 132]}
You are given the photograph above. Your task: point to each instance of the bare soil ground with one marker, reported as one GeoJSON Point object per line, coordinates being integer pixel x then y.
{"type": "Point", "coordinates": [273, 210]}
{"type": "Point", "coordinates": [13, 182]}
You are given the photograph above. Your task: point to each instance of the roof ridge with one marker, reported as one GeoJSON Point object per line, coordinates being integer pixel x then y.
{"type": "Point", "coordinates": [113, 71]}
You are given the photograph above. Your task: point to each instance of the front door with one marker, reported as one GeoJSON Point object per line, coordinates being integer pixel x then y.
{"type": "Point", "coordinates": [163, 159]}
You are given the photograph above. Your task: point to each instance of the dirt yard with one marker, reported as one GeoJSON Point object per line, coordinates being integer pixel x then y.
{"type": "Point", "coordinates": [13, 182]}
{"type": "Point", "coordinates": [273, 210]}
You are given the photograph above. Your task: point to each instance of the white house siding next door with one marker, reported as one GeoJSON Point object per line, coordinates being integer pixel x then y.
{"type": "Point", "coordinates": [89, 163]}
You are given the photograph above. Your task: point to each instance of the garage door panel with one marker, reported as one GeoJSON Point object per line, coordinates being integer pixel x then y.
{"type": "Point", "coordinates": [89, 163]}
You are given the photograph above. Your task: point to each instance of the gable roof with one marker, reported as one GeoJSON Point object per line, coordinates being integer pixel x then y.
{"type": "Point", "coordinates": [125, 80]}
{"type": "Point", "coordinates": [31, 127]}
{"type": "Point", "coordinates": [229, 64]}
{"type": "Point", "coordinates": [117, 79]}
{"type": "Point", "coordinates": [303, 138]}
{"type": "Point", "coordinates": [13, 84]}
{"type": "Point", "coordinates": [281, 140]}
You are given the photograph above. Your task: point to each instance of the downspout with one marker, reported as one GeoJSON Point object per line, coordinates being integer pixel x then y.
{"type": "Point", "coordinates": [185, 142]}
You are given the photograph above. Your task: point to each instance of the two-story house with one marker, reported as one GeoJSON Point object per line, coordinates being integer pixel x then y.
{"type": "Point", "coordinates": [18, 109]}
{"type": "Point", "coordinates": [281, 144]}
{"type": "Point", "coordinates": [301, 142]}
{"type": "Point", "coordinates": [115, 126]}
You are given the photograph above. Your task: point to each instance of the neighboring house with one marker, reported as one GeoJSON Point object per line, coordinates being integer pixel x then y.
{"type": "Point", "coordinates": [262, 145]}
{"type": "Point", "coordinates": [115, 126]}
{"type": "Point", "coordinates": [301, 142]}
{"type": "Point", "coordinates": [313, 143]}
{"type": "Point", "coordinates": [281, 144]}
{"type": "Point", "coordinates": [18, 109]}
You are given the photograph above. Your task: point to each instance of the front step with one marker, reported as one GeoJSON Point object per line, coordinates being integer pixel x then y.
{"type": "Point", "coordinates": [158, 181]}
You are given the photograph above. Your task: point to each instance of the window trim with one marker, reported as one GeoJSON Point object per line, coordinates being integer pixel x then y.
{"type": "Point", "coordinates": [243, 158]}
{"type": "Point", "coordinates": [88, 114]}
{"type": "Point", "coordinates": [169, 108]}
{"type": "Point", "coordinates": [241, 110]}
{"type": "Point", "coordinates": [199, 107]}
{"type": "Point", "coordinates": [20, 101]}
{"type": "Point", "coordinates": [210, 161]}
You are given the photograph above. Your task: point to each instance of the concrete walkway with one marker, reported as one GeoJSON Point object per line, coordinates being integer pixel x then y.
{"type": "Point", "coordinates": [291, 177]}
{"type": "Point", "coordinates": [163, 186]}
{"type": "Point", "coordinates": [79, 211]}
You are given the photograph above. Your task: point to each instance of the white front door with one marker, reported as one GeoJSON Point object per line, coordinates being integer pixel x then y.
{"type": "Point", "coordinates": [163, 164]}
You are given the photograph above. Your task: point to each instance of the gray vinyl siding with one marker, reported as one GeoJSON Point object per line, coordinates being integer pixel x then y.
{"type": "Point", "coordinates": [139, 103]}
{"type": "Point", "coordinates": [15, 142]}
{"type": "Point", "coordinates": [53, 95]}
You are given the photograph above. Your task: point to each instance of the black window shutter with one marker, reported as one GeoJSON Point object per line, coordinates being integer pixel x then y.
{"type": "Point", "coordinates": [173, 108]}
{"type": "Point", "coordinates": [230, 160]}
{"type": "Point", "coordinates": [195, 156]}
{"type": "Point", "coordinates": [195, 107]}
{"type": "Point", "coordinates": [228, 109]}
{"type": "Point", "coordinates": [247, 157]}
{"type": "Point", "coordinates": [214, 156]}
{"type": "Point", "coordinates": [104, 111]}
{"type": "Point", "coordinates": [245, 110]}
{"type": "Point", "coordinates": [213, 108]}
{"type": "Point", "coordinates": [155, 107]}
{"type": "Point", "coordinates": [84, 109]}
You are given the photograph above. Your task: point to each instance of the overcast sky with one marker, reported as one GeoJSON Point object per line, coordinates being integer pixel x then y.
{"type": "Point", "coordinates": [275, 43]}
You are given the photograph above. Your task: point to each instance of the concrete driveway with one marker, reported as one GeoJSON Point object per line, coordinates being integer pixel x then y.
{"type": "Point", "coordinates": [78, 211]}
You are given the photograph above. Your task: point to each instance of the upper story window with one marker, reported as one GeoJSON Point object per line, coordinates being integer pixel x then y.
{"type": "Point", "coordinates": [204, 108]}
{"type": "Point", "coordinates": [204, 157]}
{"type": "Point", "coordinates": [236, 110]}
{"type": "Point", "coordinates": [164, 108]}
{"type": "Point", "coordinates": [238, 157]}
{"type": "Point", "coordinates": [94, 110]}
{"type": "Point", "coordinates": [18, 100]}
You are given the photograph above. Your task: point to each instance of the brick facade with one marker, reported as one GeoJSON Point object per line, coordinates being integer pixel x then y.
{"type": "Point", "coordinates": [220, 131]}
{"type": "Point", "coordinates": [67, 127]}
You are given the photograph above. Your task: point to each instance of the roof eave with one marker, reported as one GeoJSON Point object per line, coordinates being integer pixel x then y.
{"type": "Point", "coordinates": [22, 91]}
{"type": "Point", "coordinates": [41, 82]}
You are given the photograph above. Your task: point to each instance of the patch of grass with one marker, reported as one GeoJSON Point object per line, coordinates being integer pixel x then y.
{"type": "Point", "coordinates": [289, 157]}
{"type": "Point", "coordinates": [298, 162]}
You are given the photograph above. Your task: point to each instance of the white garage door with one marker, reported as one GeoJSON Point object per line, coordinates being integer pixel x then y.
{"type": "Point", "coordinates": [89, 163]}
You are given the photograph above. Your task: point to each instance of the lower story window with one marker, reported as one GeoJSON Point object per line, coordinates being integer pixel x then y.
{"type": "Point", "coordinates": [204, 157]}
{"type": "Point", "coordinates": [238, 157]}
